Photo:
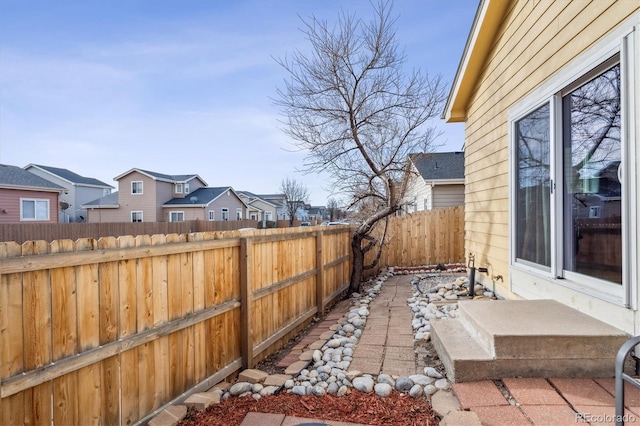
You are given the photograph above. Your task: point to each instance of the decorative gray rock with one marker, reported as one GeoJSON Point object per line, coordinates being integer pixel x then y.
{"type": "Point", "coordinates": [240, 388]}
{"type": "Point", "coordinates": [420, 379]}
{"type": "Point", "coordinates": [299, 390]}
{"type": "Point", "coordinates": [385, 378]}
{"type": "Point", "coordinates": [404, 384]}
{"type": "Point", "coordinates": [318, 391]}
{"type": "Point", "coordinates": [383, 389]}
{"type": "Point", "coordinates": [416, 391]}
{"type": "Point", "coordinates": [432, 372]}
{"type": "Point", "coordinates": [363, 384]}
{"type": "Point", "coordinates": [430, 389]}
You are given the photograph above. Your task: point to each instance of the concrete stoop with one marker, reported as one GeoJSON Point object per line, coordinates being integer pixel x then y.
{"type": "Point", "coordinates": [495, 339]}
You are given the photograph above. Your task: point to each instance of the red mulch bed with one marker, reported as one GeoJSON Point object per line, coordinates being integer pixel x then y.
{"type": "Point", "coordinates": [357, 407]}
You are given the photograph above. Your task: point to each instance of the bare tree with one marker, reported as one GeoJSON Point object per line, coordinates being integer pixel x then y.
{"type": "Point", "coordinates": [296, 195]}
{"type": "Point", "coordinates": [352, 107]}
{"type": "Point", "coordinates": [333, 208]}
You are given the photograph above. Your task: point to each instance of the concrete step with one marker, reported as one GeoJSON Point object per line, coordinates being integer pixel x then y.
{"type": "Point", "coordinates": [524, 338]}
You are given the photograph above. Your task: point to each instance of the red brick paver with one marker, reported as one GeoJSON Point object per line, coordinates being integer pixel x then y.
{"type": "Point", "coordinates": [502, 415]}
{"type": "Point", "coordinates": [551, 414]}
{"type": "Point", "coordinates": [533, 392]}
{"type": "Point", "coordinates": [583, 392]}
{"type": "Point", "coordinates": [479, 394]}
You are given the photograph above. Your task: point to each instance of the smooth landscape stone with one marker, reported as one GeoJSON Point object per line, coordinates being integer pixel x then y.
{"type": "Point", "coordinates": [363, 384]}
{"type": "Point", "coordinates": [403, 383]}
{"type": "Point", "coordinates": [416, 391]}
{"type": "Point", "coordinates": [383, 389]}
{"type": "Point", "coordinates": [240, 388]}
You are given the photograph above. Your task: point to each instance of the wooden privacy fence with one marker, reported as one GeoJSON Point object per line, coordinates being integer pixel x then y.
{"type": "Point", "coordinates": [423, 238]}
{"type": "Point", "coordinates": [109, 331]}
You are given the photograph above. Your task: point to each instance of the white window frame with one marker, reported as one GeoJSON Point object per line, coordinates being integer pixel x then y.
{"type": "Point", "coordinates": [268, 216]}
{"type": "Point", "coordinates": [179, 187]}
{"type": "Point", "coordinates": [176, 213]}
{"type": "Point", "coordinates": [134, 212]}
{"type": "Point", "coordinates": [238, 213]}
{"type": "Point", "coordinates": [623, 41]}
{"type": "Point", "coordinates": [212, 215]}
{"type": "Point", "coordinates": [133, 187]}
{"type": "Point", "coordinates": [35, 202]}
{"type": "Point", "coordinates": [225, 213]}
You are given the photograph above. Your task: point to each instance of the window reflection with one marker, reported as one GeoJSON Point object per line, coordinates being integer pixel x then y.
{"type": "Point", "coordinates": [533, 196]}
{"type": "Point", "coordinates": [592, 172]}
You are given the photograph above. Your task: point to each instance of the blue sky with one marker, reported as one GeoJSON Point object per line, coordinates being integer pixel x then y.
{"type": "Point", "coordinates": [182, 86]}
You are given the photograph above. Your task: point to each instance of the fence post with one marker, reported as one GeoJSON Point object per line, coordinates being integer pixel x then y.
{"type": "Point", "coordinates": [320, 273]}
{"type": "Point", "coordinates": [246, 300]}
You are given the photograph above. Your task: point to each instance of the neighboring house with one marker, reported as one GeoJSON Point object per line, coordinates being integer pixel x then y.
{"type": "Point", "coordinates": [258, 208]}
{"type": "Point", "coordinates": [26, 197]}
{"type": "Point", "coordinates": [206, 203]}
{"type": "Point", "coordinates": [141, 197]}
{"type": "Point", "coordinates": [279, 201]}
{"type": "Point", "coordinates": [79, 190]}
{"type": "Point", "coordinates": [317, 214]}
{"type": "Point", "coordinates": [550, 95]}
{"type": "Point", "coordinates": [437, 181]}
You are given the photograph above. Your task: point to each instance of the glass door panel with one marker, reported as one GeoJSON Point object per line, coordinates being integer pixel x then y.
{"type": "Point", "coordinates": [593, 178]}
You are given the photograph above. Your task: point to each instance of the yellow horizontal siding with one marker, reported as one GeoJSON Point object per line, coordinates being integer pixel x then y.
{"type": "Point", "coordinates": [536, 40]}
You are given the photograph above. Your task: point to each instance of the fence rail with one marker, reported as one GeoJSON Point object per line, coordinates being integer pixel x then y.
{"type": "Point", "coordinates": [110, 330]}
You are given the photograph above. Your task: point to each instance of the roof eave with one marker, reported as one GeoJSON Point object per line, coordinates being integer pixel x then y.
{"type": "Point", "coordinates": [486, 24]}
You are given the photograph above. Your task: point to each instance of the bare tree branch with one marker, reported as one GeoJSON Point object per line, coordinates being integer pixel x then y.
{"type": "Point", "coordinates": [350, 104]}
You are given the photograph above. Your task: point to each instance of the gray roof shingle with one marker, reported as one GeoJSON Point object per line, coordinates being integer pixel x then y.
{"type": "Point", "coordinates": [72, 177]}
{"type": "Point", "coordinates": [203, 196]}
{"type": "Point", "coordinates": [13, 176]}
{"type": "Point", "coordinates": [439, 165]}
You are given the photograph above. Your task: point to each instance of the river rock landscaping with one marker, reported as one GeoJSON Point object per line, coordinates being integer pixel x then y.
{"type": "Point", "coordinates": [327, 376]}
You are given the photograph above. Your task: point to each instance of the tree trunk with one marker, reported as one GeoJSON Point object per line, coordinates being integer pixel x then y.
{"type": "Point", "coordinates": [358, 264]}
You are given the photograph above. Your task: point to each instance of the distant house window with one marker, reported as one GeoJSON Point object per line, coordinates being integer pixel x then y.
{"type": "Point", "coordinates": [176, 216]}
{"type": "Point", "coordinates": [225, 213]}
{"type": "Point", "coordinates": [239, 214]}
{"type": "Point", "coordinates": [212, 215]}
{"type": "Point", "coordinates": [106, 191]}
{"type": "Point", "coordinates": [34, 209]}
{"type": "Point", "coordinates": [254, 216]}
{"type": "Point", "coordinates": [136, 216]}
{"type": "Point", "coordinates": [136, 187]}
{"type": "Point", "coordinates": [179, 188]}
{"type": "Point", "coordinates": [268, 216]}
{"type": "Point", "coordinates": [186, 188]}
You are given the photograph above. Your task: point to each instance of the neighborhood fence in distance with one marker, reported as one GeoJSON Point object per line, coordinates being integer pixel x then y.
{"type": "Point", "coordinates": [108, 331]}
{"type": "Point", "coordinates": [21, 232]}
{"type": "Point", "coordinates": [423, 238]}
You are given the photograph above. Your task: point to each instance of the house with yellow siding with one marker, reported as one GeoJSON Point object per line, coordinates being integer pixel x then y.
{"type": "Point", "coordinates": [549, 92]}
